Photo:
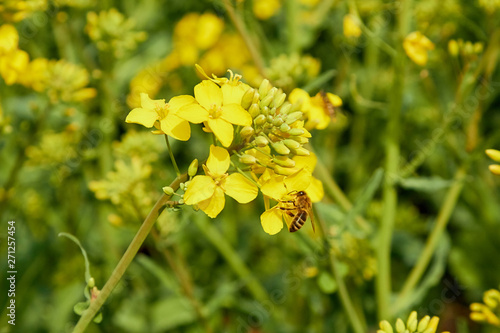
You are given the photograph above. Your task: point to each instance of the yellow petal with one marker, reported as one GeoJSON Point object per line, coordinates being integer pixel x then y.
{"type": "Point", "coordinates": [151, 104]}
{"type": "Point", "coordinates": [271, 221]}
{"type": "Point", "coordinates": [299, 181]}
{"type": "Point", "coordinates": [200, 188]}
{"type": "Point", "coordinates": [240, 188]}
{"type": "Point", "coordinates": [235, 114]}
{"type": "Point", "coordinates": [175, 127]}
{"type": "Point", "coordinates": [178, 102]}
{"type": "Point", "coordinates": [222, 130]}
{"type": "Point", "coordinates": [298, 95]}
{"type": "Point", "coordinates": [232, 94]}
{"type": "Point", "coordinates": [315, 190]}
{"type": "Point", "coordinates": [208, 94]}
{"type": "Point", "coordinates": [145, 117]}
{"type": "Point", "coordinates": [275, 188]}
{"type": "Point", "coordinates": [193, 113]}
{"type": "Point", "coordinates": [306, 162]}
{"type": "Point", "coordinates": [213, 206]}
{"type": "Point", "coordinates": [218, 160]}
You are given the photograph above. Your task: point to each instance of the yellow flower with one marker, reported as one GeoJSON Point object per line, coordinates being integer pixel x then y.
{"type": "Point", "coordinates": [351, 26]}
{"type": "Point", "coordinates": [218, 107]}
{"type": "Point", "coordinates": [9, 39]}
{"type": "Point", "coordinates": [416, 46]}
{"type": "Point", "coordinates": [208, 191]}
{"type": "Point", "coordinates": [170, 123]}
{"type": "Point", "coordinates": [13, 65]}
{"type": "Point", "coordinates": [489, 311]}
{"type": "Point", "coordinates": [279, 189]}
{"type": "Point", "coordinates": [264, 9]}
{"type": "Point", "coordinates": [413, 325]}
{"type": "Point", "coordinates": [315, 108]}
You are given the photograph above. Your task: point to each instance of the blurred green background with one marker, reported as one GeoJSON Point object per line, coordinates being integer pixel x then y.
{"type": "Point", "coordinates": [71, 164]}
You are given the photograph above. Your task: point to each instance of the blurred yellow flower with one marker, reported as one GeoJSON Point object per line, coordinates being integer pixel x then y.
{"type": "Point", "coordinates": [494, 155]}
{"type": "Point", "coordinates": [416, 46]}
{"type": "Point", "coordinates": [208, 191]}
{"type": "Point", "coordinates": [489, 311]}
{"type": "Point", "coordinates": [9, 39]}
{"type": "Point", "coordinates": [315, 108]}
{"type": "Point", "coordinates": [169, 122]}
{"type": "Point", "coordinates": [218, 108]}
{"type": "Point", "coordinates": [18, 10]}
{"type": "Point", "coordinates": [13, 65]}
{"type": "Point", "coordinates": [351, 26]}
{"type": "Point", "coordinates": [265, 9]}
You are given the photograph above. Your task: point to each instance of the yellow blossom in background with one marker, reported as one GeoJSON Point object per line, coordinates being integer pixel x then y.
{"type": "Point", "coordinates": [494, 155]}
{"type": "Point", "coordinates": [9, 39]}
{"type": "Point", "coordinates": [219, 108]}
{"type": "Point", "coordinates": [166, 114]}
{"type": "Point", "coordinates": [413, 325]}
{"type": "Point", "coordinates": [488, 312]}
{"type": "Point", "coordinates": [416, 46]}
{"type": "Point", "coordinates": [351, 26]}
{"type": "Point", "coordinates": [491, 6]}
{"type": "Point", "coordinates": [208, 192]}
{"type": "Point", "coordinates": [265, 9]}
{"type": "Point", "coordinates": [13, 65]}
{"type": "Point", "coordinates": [18, 10]}
{"type": "Point", "coordinates": [315, 108]}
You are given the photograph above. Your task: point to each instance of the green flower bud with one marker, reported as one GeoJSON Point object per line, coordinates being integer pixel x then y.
{"type": "Point", "coordinates": [494, 169]}
{"type": "Point", "coordinates": [400, 326]}
{"type": "Point", "coordinates": [181, 201]}
{"type": "Point", "coordinates": [193, 168]}
{"type": "Point", "coordinates": [292, 144]}
{"type": "Point", "coordinates": [285, 108]}
{"type": "Point", "coordinates": [278, 100]}
{"type": "Point", "coordinates": [272, 111]}
{"type": "Point", "coordinates": [247, 98]}
{"type": "Point", "coordinates": [285, 128]}
{"type": "Point", "coordinates": [261, 141]}
{"type": "Point", "coordinates": [283, 171]}
{"type": "Point", "coordinates": [422, 325]}
{"type": "Point", "coordinates": [256, 97]}
{"type": "Point", "coordinates": [293, 117]}
{"type": "Point", "coordinates": [266, 100]}
{"type": "Point", "coordinates": [301, 151]}
{"type": "Point", "coordinates": [412, 322]}
{"type": "Point", "coordinates": [260, 119]}
{"type": "Point", "coordinates": [168, 190]}
{"type": "Point", "coordinates": [432, 325]}
{"type": "Point", "coordinates": [284, 161]}
{"type": "Point", "coordinates": [247, 132]}
{"type": "Point", "coordinates": [254, 110]}
{"type": "Point", "coordinates": [264, 87]}
{"type": "Point", "coordinates": [296, 131]}
{"type": "Point", "coordinates": [277, 121]}
{"type": "Point", "coordinates": [248, 159]}
{"type": "Point", "coordinates": [300, 139]}
{"type": "Point", "coordinates": [386, 327]}
{"type": "Point", "coordinates": [493, 154]}
{"type": "Point", "coordinates": [264, 110]}
{"type": "Point", "coordinates": [91, 283]}
{"type": "Point", "coordinates": [280, 148]}
{"type": "Point", "coordinates": [182, 186]}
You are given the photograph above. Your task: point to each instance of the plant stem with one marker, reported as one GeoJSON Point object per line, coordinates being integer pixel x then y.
{"type": "Point", "coordinates": [240, 26]}
{"type": "Point", "coordinates": [126, 259]}
{"type": "Point", "coordinates": [172, 157]}
{"type": "Point", "coordinates": [345, 299]}
{"type": "Point", "coordinates": [390, 198]}
{"type": "Point", "coordinates": [443, 217]}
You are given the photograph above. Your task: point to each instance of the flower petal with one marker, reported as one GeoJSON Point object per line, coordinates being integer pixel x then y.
{"type": "Point", "coordinates": [218, 160]}
{"type": "Point", "coordinates": [235, 114]}
{"type": "Point", "coordinates": [148, 103]}
{"type": "Point", "coordinates": [315, 190]}
{"type": "Point", "coordinates": [299, 181]}
{"type": "Point", "coordinates": [240, 188]}
{"type": "Point", "coordinates": [213, 206]}
{"type": "Point", "coordinates": [275, 188]}
{"type": "Point", "coordinates": [271, 221]}
{"type": "Point", "coordinates": [232, 94]}
{"type": "Point", "coordinates": [176, 127]}
{"type": "Point", "coordinates": [208, 93]}
{"type": "Point", "coordinates": [145, 117]}
{"type": "Point", "coordinates": [193, 113]}
{"type": "Point", "coordinates": [200, 188]}
{"type": "Point", "coordinates": [178, 102]}
{"type": "Point", "coordinates": [222, 130]}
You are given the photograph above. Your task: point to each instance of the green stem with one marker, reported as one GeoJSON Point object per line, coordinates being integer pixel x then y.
{"type": "Point", "coordinates": [240, 26]}
{"type": "Point", "coordinates": [172, 157]}
{"type": "Point", "coordinates": [126, 259]}
{"type": "Point", "coordinates": [390, 198]}
{"type": "Point", "coordinates": [345, 299]}
{"type": "Point", "coordinates": [443, 217]}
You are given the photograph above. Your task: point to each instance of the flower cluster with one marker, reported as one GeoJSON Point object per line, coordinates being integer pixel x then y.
{"type": "Point", "coordinates": [18, 10]}
{"type": "Point", "coordinates": [416, 46]}
{"type": "Point", "coordinates": [262, 130]}
{"type": "Point", "coordinates": [488, 312]}
{"type": "Point", "coordinates": [112, 32]}
{"type": "Point", "coordinates": [290, 71]}
{"type": "Point", "coordinates": [413, 325]}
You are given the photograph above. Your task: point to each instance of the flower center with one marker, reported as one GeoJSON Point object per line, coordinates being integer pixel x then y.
{"type": "Point", "coordinates": [162, 110]}
{"type": "Point", "coordinates": [215, 112]}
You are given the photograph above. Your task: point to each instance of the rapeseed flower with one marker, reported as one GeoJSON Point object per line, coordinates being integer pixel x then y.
{"type": "Point", "coordinates": [163, 115]}
{"type": "Point", "coordinates": [416, 46]}
{"type": "Point", "coordinates": [208, 191]}
{"type": "Point", "coordinates": [413, 325]}
{"type": "Point", "coordinates": [351, 26]}
{"type": "Point", "coordinates": [218, 108]}
{"type": "Point", "coordinates": [315, 108]}
{"type": "Point", "coordinates": [494, 155]}
{"type": "Point", "coordinates": [488, 312]}
{"type": "Point", "coordinates": [265, 9]}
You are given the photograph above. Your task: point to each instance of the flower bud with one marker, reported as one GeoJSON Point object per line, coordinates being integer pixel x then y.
{"type": "Point", "coordinates": [285, 108]}
{"type": "Point", "coordinates": [247, 98]}
{"type": "Point", "coordinates": [478, 47]}
{"type": "Point", "coordinates": [292, 144]}
{"type": "Point", "coordinates": [431, 326]}
{"type": "Point", "coordinates": [91, 283]}
{"type": "Point", "coordinates": [400, 326]}
{"type": "Point", "coordinates": [254, 110]}
{"type": "Point", "coordinates": [168, 190]}
{"type": "Point", "coordinates": [301, 151]}
{"type": "Point", "coordinates": [453, 47]}
{"type": "Point", "coordinates": [247, 132]}
{"type": "Point", "coordinates": [293, 117]}
{"type": "Point", "coordinates": [296, 131]}
{"type": "Point", "coordinates": [264, 110]}
{"type": "Point", "coordinates": [181, 201]}
{"type": "Point", "coordinates": [277, 121]}
{"type": "Point", "coordinates": [280, 148]}
{"type": "Point", "coordinates": [256, 97]}
{"type": "Point", "coordinates": [283, 171]}
{"type": "Point", "coordinates": [422, 324]}
{"type": "Point", "coordinates": [285, 128]}
{"type": "Point", "coordinates": [412, 322]}
{"type": "Point", "coordinates": [386, 327]}
{"type": "Point", "coordinates": [266, 100]}
{"type": "Point", "coordinates": [493, 154]}
{"type": "Point", "coordinates": [261, 141]}
{"type": "Point", "coordinates": [278, 100]}
{"type": "Point", "coordinates": [300, 139]}
{"type": "Point", "coordinates": [193, 168]}
{"type": "Point", "coordinates": [182, 186]}
{"type": "Point", "coordinates": [495, 169]}
{"type": "Point", "coordinates": [284, 161]}
{"type": "Point", "coordinates": [248, 159]}
{"type": "Point", "coordinates": [264, 87]}
{"type": "Point", "coordinates": [260, 119]}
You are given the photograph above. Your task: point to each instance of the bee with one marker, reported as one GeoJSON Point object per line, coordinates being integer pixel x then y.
{"type": "Point", "coordinates": [327, 105]}
{"type": "Point", "coordinates": [299, 209]}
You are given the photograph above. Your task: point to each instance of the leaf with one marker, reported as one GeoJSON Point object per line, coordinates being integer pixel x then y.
{"type": "Point", "coordinates": [84, 253]}
{"type": "Point", "coordinates": [80, 307]}
{"type": "Point", "coordinates": [320, 81]}
{"type": "Point", "coordinates": [425, 184]}
{"type": "Point", "coordinates": [171, 313]}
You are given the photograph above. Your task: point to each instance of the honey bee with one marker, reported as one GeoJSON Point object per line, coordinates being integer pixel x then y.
{"type": "Point", "coordinates": [327, 105]}
{"type": "Point", "coordinates": [299, 209]}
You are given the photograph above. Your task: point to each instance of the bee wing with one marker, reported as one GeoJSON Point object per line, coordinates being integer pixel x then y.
{"type": "Point", "coordinates": [311, 215]}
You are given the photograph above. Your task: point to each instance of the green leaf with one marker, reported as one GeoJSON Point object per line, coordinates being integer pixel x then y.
{"type": "Point", "coordinates": [80, 307]}
{"type": "Point", "coordinates": [171, 313]}
{"type": "Point", "coordinates": [327, 283]}
{"type": "Point", "coordinates": [98, 318]}
{"type": "Point", "coordinates": [84, 253]}
{"type": "Point", "coordinates": [425, 184]}
{"type": "Point", "coordinates": [320, 81]}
